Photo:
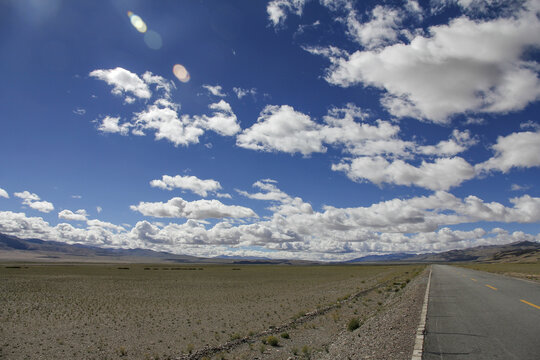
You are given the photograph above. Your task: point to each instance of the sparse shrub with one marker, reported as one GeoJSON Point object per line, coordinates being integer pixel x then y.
{"type": "Point", "coordinates": [189, 348]}
{"type": "Point", "coordinates": [262, 348]}
{"type": "Point", "coordinates": [353, 324]}
{"type": "Point", "coordinates": [285, 335]}
{"type": "Point", "coordinates": [270, 340]}
{"type": "Point", "coordinates": [121, 351]}
{"type": "Point", "coordinates": [235, 336]}
{"type": "Point", "coordinates": [306, 351]}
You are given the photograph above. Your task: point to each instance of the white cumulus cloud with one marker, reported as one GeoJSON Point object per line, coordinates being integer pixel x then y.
{"type": "Point", "coordinates": [240, 92]}
{"type": "Point", "coordinates": [4, 193]}
{"type": "Point", "coordinates": [381, 29]}
{"type": "Point", "coordinates": [163, 118]}
{"type": "Point", "coordinates": [78, 215]}
{"type": "Point", "coordinates": [281, 128]}
{"type": "Point", "coordinates": [192, 183]}
{"type": "Point", "coordinates": [459, 142]}
{"type": "Point", "coordinates": [223, 121]}
{"type": "Point", "coordinates": [520, 149]}
{"type": "Point", "coordinates": [278, 10]}
{"type": "Point", "coordinates": [461, 67]}
{"type": "Point", "coordinates": [123, 81]}
{"type": "Point", "coordinates": [215, 90]}
{"type": "Point", "coordinates": [111, 124]}
{"type": "Point", "coordinates": [34, 201]}
{"type": "Point", "coordinates": [199, 209]}
{"type": "Point", "coordinates": [441, 174]}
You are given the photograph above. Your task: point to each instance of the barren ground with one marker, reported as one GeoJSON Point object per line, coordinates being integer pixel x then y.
{"type": "Point", "coordinates": [157, 311]}
{"type": "Point", "coordinates": [529, 271]}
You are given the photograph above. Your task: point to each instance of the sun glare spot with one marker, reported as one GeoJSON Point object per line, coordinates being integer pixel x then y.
{"type": "Point", "coordinates": [181, 73]}
{"type": "Point", "coordinates": [137, 22]}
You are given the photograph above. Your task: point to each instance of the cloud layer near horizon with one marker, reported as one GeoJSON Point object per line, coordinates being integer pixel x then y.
{"type": "Point", "coordinates": [418, 224]}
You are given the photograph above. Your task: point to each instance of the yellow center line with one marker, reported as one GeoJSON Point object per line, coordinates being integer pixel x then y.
{"type": "Point", "coordinates": [473, 279]}
{"type": "Point", "coordinates": [491, 287]}
{"type": "Point", "coordinates": [531, 304]}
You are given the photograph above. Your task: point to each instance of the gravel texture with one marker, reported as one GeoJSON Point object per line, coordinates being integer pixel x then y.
{"type": "Point", "coordinates": [388, 313]}
{"type": "Point", "coordinates": [150, 312]}
{"type": "Point", "coordinates": [390, 333]}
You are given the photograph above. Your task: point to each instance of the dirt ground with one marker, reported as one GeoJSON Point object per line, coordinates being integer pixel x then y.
{"type": "Point", "coordinates": [528, 271]}
{"type": "Point", "coordinates": [387, 323]}
{"type": "Point", "coordinates": [165, 312]}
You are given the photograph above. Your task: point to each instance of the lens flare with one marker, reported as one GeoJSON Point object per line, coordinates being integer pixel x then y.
{"type": "Point", "coordinates": [181, 73]}
{"type": "Point", "coordinates": [153, 40]}
{"type": "Point", "coordinates": [137, 22]}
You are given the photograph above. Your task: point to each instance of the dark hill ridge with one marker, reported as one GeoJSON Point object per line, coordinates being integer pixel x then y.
{"type": "Point", "coordinates": [37, 249]}
{"type": "Point", "coordinates": [387, 257]}
{"type": "Point", "coordinates": [484, 253]}
{"type": "Point", "coordinates": [524, 250]}
{"type": "Point", "coordinates": [14, 248]}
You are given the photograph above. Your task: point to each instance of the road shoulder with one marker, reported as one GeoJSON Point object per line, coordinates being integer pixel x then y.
{"type": "Point", "coordinates": [390, 333]}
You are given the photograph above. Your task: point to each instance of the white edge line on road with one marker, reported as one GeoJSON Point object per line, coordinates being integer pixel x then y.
{"type": "Point", "coordinates": [420, 332]}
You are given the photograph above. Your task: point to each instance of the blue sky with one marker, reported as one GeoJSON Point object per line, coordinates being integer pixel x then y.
{"type": "Point", "coordinates": [308, 129]}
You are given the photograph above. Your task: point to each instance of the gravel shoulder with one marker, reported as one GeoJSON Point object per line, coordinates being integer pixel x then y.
{"type": "Point", "coordinates": [390, 333]}
{"type": "Point", "coordinates": [388, 316]}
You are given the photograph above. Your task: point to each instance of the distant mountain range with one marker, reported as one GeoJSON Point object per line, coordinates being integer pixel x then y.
{"type": "Point", "coordinates": [524, 251]}
{"type": "Point", "coordinates": [35, 249]}
{"type": "Point", "coordinates": [379, 258]}
{"type": "Point", "coordinates": [15, 249]}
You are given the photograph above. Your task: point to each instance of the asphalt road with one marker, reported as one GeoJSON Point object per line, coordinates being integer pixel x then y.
{"type": "Point", "coordinates": [477, 315]}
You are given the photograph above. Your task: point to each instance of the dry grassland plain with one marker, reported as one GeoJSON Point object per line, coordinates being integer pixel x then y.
{"type": "Point", "coordinates": [529, 271]}
{"type": "Point", "coordinates": [59, 311]}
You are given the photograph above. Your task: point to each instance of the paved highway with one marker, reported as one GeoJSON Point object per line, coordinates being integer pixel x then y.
{"type": "Point", "coordinates": [477, 315]}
